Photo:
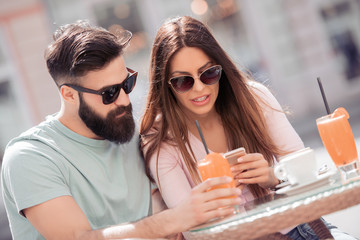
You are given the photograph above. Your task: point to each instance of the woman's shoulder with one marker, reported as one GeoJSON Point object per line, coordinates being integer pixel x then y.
{"type": "Point", "coordinates": [258, 87]}
{"type": "Point", "coordinates": [262, 93]}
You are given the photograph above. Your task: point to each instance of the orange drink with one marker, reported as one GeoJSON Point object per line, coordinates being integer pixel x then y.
{"type": "Point", "coordinates": [338, 139]}
{"type": "Point", "coordinates": [215, 165]}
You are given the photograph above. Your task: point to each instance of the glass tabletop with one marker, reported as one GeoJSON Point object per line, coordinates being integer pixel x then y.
{"type": "Point", "coordinates": [275, 203]}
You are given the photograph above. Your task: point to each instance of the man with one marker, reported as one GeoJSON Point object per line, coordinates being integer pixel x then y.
{"type": "Point", "coordinates": [79, 174]}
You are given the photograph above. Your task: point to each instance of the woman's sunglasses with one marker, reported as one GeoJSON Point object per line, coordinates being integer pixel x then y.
{"type": "Point", "coordinates": [111, 93]}
{"type": "Point", "coordinates": [183, 84]}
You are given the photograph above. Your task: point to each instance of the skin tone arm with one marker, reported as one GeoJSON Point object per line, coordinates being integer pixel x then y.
{"type": "Point", "coordinates": [257, 171]}
{"type": "Point", "coordinates": [62, 218]}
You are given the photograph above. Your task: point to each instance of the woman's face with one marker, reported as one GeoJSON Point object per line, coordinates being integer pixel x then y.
{"type": "Point", "coordinates": [199, 101]}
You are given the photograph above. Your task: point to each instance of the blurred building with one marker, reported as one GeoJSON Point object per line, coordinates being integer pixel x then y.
{"type": "Point", "coordinates": [285, 43]}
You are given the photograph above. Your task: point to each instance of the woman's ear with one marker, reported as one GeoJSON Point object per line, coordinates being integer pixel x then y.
{"type": "Point", "coordinates": [68, 94]}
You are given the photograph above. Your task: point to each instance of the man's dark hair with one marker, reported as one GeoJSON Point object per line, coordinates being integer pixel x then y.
{"type": "Point", "coordinates": [79, 48]}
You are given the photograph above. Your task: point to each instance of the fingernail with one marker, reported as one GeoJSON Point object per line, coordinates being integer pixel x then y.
{"type": "Point", "coordinates": [228, 179]}
{"type": "Point", "coordinates": [239, 160]}
{"type": "Point", "coordinates": [232, 168]}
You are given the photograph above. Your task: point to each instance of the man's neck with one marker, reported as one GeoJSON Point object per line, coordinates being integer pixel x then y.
{"type": "Point", "coordinates": [75, 124]}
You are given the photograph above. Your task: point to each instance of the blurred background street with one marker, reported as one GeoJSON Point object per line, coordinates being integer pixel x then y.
{"type": "Point", "coordinates": [285, 44]}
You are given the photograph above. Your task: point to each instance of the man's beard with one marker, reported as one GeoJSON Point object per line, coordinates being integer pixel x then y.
{"type": "Point", "coordinates": [112, 128]}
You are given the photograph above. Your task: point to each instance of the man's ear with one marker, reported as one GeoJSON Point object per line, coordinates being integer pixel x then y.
{"type": "Point", "coordinates": [68, 94]}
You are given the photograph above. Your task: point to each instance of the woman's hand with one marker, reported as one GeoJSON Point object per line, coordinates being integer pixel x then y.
{"type": "Point", "coordinates": [254, 169]}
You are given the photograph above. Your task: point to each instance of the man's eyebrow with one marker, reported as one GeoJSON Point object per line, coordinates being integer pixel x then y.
{"type": "Point", "coordinates": [107, 86]}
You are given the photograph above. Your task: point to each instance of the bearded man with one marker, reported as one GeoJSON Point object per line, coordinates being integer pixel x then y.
{"type": "Point", "coordinates": [79, 174]}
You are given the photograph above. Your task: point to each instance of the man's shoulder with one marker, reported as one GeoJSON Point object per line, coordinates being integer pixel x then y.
{"type": "Point", "coordinates": [31, 140]}
{"type": "Point", "coordinates": [40, 131]}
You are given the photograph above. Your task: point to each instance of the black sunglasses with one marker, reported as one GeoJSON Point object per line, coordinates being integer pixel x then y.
{"type": "Point", "coordinates": [183, 84]}
{"type": "Point", "coordinates": [111, 93]}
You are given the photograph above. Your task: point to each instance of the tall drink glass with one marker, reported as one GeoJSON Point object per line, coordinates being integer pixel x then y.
{"type": "Point", "coordinates": [338, 139]}
{"type": "Point", "coordinates": [215, 165]}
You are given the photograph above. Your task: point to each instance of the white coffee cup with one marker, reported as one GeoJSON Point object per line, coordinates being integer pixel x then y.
{"type": "Point", "coordinates": [299, 167]}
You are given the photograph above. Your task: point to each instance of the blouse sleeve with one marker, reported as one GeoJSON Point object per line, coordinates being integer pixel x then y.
{"type": "Point", "coordinates": [175, 182]}
{"type": "Point", "coordinates": [280, 130]}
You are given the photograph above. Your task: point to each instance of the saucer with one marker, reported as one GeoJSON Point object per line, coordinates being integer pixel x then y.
{"type": "Point", "coordinates": [299, 188]}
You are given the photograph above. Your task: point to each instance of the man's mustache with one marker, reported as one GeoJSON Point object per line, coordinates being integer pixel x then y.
{"type": "Point", "coordinates": [120, 110]}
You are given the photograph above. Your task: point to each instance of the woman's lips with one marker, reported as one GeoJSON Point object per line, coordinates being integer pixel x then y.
{"type": "Point", "coordinates": [201, 100]}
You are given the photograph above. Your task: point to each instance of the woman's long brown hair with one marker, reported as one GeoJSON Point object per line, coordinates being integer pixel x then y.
{"type": "Point", "coordinates": [240, 112]}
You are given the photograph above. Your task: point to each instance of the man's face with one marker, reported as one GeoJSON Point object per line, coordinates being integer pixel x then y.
{"type": "Point", "coordinates": [113, 121]}
{"type": "Point", "coordinates": [112, 127]}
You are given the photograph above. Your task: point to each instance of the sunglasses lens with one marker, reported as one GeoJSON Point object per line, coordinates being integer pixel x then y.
{"type": "Point", "coordinates": [129, 84]}
{"type": "Point", "coordinates": [111, 94]}
{"type": "Point", "coordinates": [182, 84]}
{"type": "Point", "coordinates": [185, 83]}
{"type": "Point", "coordinates": [211, 76]}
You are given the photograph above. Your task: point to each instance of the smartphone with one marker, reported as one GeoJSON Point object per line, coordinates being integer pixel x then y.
{"type": "Point", "coordinates": [233, 155]}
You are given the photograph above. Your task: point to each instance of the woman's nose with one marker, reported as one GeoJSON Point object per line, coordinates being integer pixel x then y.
{"type": "Point", "coordinates": [198, 84]}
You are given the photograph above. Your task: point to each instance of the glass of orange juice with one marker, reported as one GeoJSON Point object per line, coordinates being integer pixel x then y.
{"type": "Point", "coordinates": [215, 165]}
{"type": "Point", "coordinates": [338, 139]}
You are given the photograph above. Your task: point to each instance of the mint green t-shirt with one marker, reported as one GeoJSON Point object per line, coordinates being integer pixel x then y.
{"type": "Point", "coordinates": [107, 180]}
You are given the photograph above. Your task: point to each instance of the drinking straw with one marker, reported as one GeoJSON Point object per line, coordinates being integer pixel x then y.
{"type": "Point", "coordinates": [202, 136]}
{"type": "Point", "coordinates": [323, 96]}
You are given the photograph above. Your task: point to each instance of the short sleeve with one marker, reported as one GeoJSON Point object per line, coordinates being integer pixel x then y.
{"type": "Point", "coordinates": [31, 174]}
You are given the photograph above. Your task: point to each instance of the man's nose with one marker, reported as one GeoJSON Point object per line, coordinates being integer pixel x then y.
{"type": "Point", "coordinates": [123, 99]}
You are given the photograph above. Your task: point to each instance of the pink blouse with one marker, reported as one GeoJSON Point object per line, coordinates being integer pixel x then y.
{"type": "Point", "coordinates": [175, 179]}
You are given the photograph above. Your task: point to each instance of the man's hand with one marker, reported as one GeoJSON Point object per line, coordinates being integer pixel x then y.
{"type": "Point", "coordinates": [202, 205]}
{"type": "Point", "coordinates": [62, 218]}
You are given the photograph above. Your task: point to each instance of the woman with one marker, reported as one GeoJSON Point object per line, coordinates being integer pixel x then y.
{"type": "Point", "coordinates": [192, 78]}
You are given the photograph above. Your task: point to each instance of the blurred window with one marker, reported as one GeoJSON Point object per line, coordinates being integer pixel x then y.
{"type": "Point", "coordinates": [2, 58]}
{"type": "Point", "coordinates": [342, 21]}
{"type": "Point", "coordinates": [116, 15]}
{"type": "Point", "coordinates": [4, 90]}
{"type": "Point", "coordinates": [11, 119]}
{"type": "Point", "coordinates": [226, 21]}
{"type": "Point", "coordinates": [65, 11]}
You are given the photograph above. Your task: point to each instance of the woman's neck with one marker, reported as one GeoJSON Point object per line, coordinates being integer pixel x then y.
{"type": "Point", "coordinates": [213, 131]}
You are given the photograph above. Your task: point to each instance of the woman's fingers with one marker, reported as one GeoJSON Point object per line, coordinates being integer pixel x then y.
{"type": "Point", "coordinates": [252, 169]}
{"type": "Point", "coordinates": [253, 173]}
